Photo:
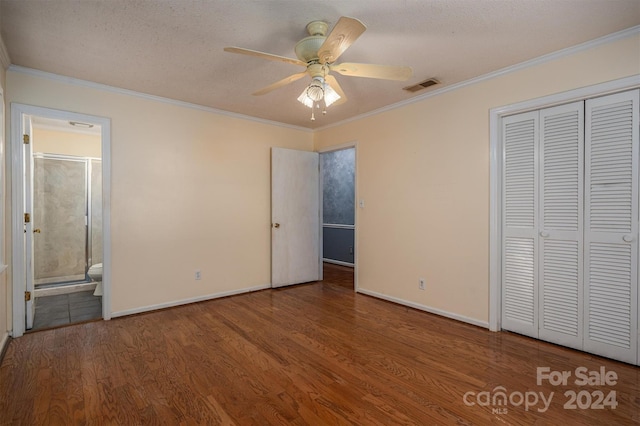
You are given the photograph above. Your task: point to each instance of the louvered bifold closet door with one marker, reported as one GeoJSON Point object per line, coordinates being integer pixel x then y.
{"type": "Point", "coordinates": [519, 232]}
{"type": "Point", "coordinates": [560, 276]}
{"type": "Point", "coordinates": [611, 226]}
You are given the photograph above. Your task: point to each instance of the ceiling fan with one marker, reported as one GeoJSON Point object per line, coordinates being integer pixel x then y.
{"type": "Point", "coordinates": [318, 53]}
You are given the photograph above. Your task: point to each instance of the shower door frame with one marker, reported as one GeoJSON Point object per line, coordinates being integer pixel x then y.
{"type": "Point", "coordinates": [19, 257]}
{"type": "Point", "coordinates": [88, 244]}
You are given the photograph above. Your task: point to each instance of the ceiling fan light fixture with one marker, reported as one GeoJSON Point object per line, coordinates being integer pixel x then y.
{"type": "Point", "coordinates": [305, 100]}
{"type": "Point", "coordinates": [315, 90]}
{"type": "Point", "coordinates": [313, 93]}
{"type": "Point", "coordinates": [330, 95]}
{"type": "Point", "coordinates": [318, 90]}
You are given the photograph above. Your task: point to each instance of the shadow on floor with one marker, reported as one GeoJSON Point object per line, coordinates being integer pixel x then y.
{"type": "Point", "coordinates": [61, 309]}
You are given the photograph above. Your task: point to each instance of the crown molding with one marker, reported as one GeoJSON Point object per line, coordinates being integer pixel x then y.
{"type": "Point", "coordinates": [610, 38]}
{"type": "Point", "coordinates": [5, 60]}
{"type": "Point", "coordinates": [112, 89]}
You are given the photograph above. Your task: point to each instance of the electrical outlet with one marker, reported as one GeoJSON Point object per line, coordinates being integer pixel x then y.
{"type": "Point", "coordinates": [421, 283]}
{"type": "Point", "coordinates": [198, 274]}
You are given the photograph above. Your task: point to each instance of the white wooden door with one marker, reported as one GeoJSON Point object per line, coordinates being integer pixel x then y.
{"type": "Point", "coordinates": [561, 221]}
{"type": "Point", "coordinates": [520, 223]}
{"type": "Point", "coordinates": [611, 225]}
{"type": "Point", "coordinates": [295, 214]}
{"type": "Point", "coordinates": [28, 226]}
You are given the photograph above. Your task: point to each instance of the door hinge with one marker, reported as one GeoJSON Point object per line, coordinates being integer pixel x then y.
{"type": "Point", "coordinates": [27, 218]}
{"type": "Point", "coordinates": [27, 296]}
{"type": "Point", "coordinates": [25, 139]}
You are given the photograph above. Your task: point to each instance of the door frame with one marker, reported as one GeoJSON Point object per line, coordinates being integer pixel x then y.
{"type": "Point", "coordinates": [354, 145]}
{"type": "Point", "coordinates": [18, 111]}
{"type": "Point", "coordinates": [496, 168]}
{"type": "Point", "coordinates": [27, 192]}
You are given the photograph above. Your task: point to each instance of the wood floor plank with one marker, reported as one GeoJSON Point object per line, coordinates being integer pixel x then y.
{"type": "Point", "coordinates": [313, 354]}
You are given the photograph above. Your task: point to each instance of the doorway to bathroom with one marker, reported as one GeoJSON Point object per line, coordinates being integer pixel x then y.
{"type": "Point", "coordinates": [67, 220]}
{"type": "Point", "coordinates": [59, 161]}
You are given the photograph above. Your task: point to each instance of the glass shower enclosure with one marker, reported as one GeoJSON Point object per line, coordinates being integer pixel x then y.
{"type": "Point", "coordinates": [67, 218]}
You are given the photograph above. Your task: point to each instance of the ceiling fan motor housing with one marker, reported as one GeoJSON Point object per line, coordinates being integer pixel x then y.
{"type": "Point", "coordinates": [307, 48]}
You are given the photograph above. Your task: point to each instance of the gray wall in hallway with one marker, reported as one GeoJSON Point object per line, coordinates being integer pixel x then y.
{"type": "Point", "coordinates": [338, 195]}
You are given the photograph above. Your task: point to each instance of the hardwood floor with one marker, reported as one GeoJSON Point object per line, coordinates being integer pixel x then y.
{"type": "Point", "coordinates": [309, 354]}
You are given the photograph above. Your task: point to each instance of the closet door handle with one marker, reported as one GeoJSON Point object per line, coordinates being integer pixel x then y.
{"type": "Point", "coordinates": [36, 231]}
{"type": "Point", "coordinates": [628, 238]}
{"type": "Point", "coordinates": [544, 234]}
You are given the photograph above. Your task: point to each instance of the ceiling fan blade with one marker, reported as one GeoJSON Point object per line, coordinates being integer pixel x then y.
{"type": "Point", "coordinates": [280, 83]}
{"type": "Point", "coordinates": [263, 55]}
{"type": "Point", "coordinates": [345, 32]}
{"type": "Point", "coordinates": [331, 81]}
{"type": "Point", "coordinates": [385, 72]}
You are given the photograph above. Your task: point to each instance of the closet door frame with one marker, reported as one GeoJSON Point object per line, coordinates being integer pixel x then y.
{"type": "Point", "coordinates": [496, 175]}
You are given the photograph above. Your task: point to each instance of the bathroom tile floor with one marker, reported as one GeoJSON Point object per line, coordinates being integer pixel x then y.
{"type": "Point", "coordinates": [61, 309]}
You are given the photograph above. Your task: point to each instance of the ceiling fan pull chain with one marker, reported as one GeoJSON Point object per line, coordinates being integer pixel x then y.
{"type": "Point", "coordinates": [324, 85]}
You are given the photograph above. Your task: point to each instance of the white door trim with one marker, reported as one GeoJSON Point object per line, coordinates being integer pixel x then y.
{"type": "Point", "coordinates": [496, 163]}
{"type": "Point", "coordinates": [354, 145]}
{"type": "Point", "coordinates": [17, 200]}
{"type": "Point", "coordinates": [27, 191]}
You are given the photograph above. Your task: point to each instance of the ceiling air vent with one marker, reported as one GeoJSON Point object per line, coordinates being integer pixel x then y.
{"type": "Point", "coordinates": [422, 85]}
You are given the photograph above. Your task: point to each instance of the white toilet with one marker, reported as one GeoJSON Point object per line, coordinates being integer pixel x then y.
{"type": "Point", "coordinates": [95, 273]}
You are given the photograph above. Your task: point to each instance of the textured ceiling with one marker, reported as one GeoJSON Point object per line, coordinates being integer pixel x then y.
{"type": "Point", "coordinates": [174, 48]}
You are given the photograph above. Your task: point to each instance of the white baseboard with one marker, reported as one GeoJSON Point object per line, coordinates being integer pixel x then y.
{"type": "Point", "coordinates": [187, 301]}
{"type": "Point", "coordinates": [451, 315]}
{"type": "Point", "coordinates": [338, 262]}
{"type": "Point", "coordinates": [3, 344]}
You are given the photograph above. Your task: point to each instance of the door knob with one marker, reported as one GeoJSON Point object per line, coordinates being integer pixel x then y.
{"type": "Point", "coordinates": [276, 225]}
{"type": "Point", "coordinates": [628, 238]}
{"type": "Point", "coordinates": [544, 234]}
{"type": "Point", "coordinates": [36, 231]}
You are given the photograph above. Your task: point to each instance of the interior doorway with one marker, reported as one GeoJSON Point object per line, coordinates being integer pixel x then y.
{"type": "Point", "coordinates": [60, 217]}
{"type": "Point", "coordinates": [66, 187]}
{"type": "Point", "coordinates": [338, 182]}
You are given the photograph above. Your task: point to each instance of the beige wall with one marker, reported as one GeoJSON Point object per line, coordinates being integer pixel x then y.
{"type": "Point", "coordinates": [66, 143]}
{"type": "Point", "coordinates": [190, 190]}
{"type": "Point", "coordinates": [423, 171]}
